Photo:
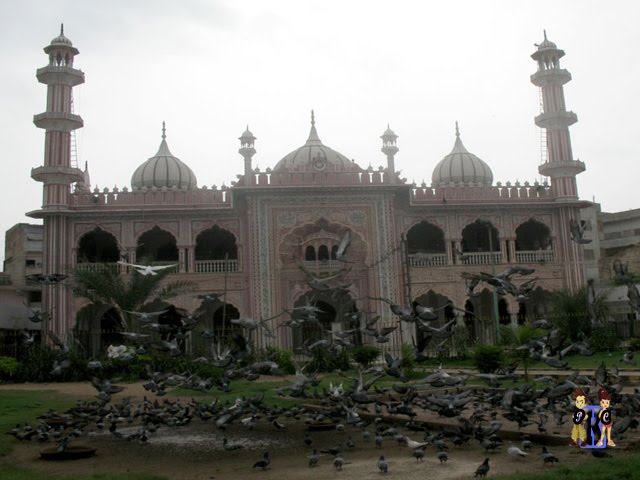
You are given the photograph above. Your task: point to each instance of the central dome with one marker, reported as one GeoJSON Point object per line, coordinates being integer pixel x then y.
{"type": "Point", "coordinates": [313, 156]}
{"type": "Point", "coordinates": [461, 167]}
{"type": "Point", "coordinates": [163, 170]}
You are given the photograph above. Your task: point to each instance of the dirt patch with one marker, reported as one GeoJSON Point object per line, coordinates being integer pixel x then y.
{"type": "Point", "coordinates": [196, 451]}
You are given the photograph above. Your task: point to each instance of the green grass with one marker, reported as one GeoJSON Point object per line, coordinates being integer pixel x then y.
{"type": "Point", "coordinates": [24, 406]}
{"type": "Point", "coordinates": [610, 359]}
{"type": "Point", "coordinates": [619, 468]}
{"type": "Point", "coordinates": [12, 472]}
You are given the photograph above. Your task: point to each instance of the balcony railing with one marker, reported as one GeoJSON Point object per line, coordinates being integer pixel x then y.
{"type": "Point", "coordinates": [216, 266]}
{"type": "Point", "coordinates": [428, 259]}
{"type": "Point", "coordinates": [535, 256]}
{"type": "Point", "coordinates": [99, 267]}
{"type": "Point", "coordinates": [482, 258]}
{"type": "Point", "coordinates": [319, 266]}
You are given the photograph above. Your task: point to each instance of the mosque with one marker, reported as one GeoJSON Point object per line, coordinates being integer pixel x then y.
{"type": "Point", "coordinates": [261, 239]}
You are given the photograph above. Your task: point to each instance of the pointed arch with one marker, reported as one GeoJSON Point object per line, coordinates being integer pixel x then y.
{"type": "Point", "coordinates": [98, 246]}
{"type": "Point", "coordinates": [156, 245]}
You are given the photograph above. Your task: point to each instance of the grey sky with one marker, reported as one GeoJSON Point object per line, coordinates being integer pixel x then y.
{"type": "Point", "coordinates": [209, 68]}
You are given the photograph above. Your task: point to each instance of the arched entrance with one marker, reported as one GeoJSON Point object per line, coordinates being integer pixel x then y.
{"type": "Point", "coordinates": [97, 327]}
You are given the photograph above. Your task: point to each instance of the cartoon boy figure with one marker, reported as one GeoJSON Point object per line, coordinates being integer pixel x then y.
{"type": "Point", "coordinates": [604, 416]}
{"type": "Point", "coordinates": [578, 432]}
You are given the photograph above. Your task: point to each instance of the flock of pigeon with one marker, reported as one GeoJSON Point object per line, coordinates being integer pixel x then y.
{"type": "Point", "coordinates": [360, 404]}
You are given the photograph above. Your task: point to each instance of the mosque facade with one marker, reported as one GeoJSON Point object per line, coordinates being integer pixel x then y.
{"type": "Point", "coordinates": [268, 238]}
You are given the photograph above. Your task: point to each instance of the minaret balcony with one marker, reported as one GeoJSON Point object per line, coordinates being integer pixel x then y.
{"type": "Point", "coordinates": [58, 121]}
{"type": "Point", "coordinates": [552, 76]}
{"type": "Point", "coordinates": [57, 175]}
{"type": "Point", "coordinates": [54, 75]}
{"type": "Point", "coordinates": [565, 168]}
{"type": "Point", "coordinates": [556, 120]}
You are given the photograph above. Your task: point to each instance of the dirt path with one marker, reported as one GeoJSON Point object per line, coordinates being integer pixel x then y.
{"type": "Point", "coordinates": [195, 452]}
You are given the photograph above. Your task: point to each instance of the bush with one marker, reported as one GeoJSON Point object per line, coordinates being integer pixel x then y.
{"type": "Point", "coordinates": [365, 354]}
{"type": "Point", "coordinates": [408, 358]}
{"type": "Point", "coordinates": [326, 361]}
{"type": "Point", "coordinates": [488, 358]}
{"type": "Point", "coordinates": [283, 357]}
{"type": "Point", "coordinates": [634, 344]}
{"type": "Point", "coordinates": [604, 339]}
{"type": "Point", "coordinates": [8, 368]}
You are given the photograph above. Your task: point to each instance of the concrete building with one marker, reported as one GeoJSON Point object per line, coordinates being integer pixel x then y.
{"type": "Point", "coordinates": [250, 239]}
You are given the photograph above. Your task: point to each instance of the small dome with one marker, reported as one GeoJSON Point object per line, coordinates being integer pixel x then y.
{"type": "Point", "coordinates": [315, 156]}
{"type": "Point", "coordinates": [547, 44]}
{"type": "Point", "coordinates": [460, 166]}
{"type": "Point", "coordinates": [164, 170]}
{"type": "Point", "coordinates": [61, 39]}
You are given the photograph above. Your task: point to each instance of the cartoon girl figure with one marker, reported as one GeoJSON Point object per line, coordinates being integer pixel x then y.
{"type": "Point", "coordinates": [604, 416]}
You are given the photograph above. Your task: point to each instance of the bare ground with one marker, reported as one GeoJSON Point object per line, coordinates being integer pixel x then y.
{"type": "Point", "coordinates": [195, 452]}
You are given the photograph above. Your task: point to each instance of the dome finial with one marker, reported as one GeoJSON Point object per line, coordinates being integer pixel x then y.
{"type": "Point", "coordinates": [545, 34]}
{"type": "Point", "coordinates": [61, 29]}
{"type": "Point", "coordinates": [313, 118]}
{"type": "Point", "coordinates": [164, 130]}
{"type": "Point", "coordinates": [457, 130]}
{"type": "Point", "coordinates": [313, 134]}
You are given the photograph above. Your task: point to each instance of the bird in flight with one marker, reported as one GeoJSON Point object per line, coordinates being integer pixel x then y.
{"type": "Point", "coordinates": [147, 269]}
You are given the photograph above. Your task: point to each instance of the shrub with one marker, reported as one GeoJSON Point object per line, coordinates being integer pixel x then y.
{"type": "Point", "coordinates": [326, 361]}
{"type": "Point", "coordinates": [461, 341]}
{"type": "Point", "coordinates": [604, 339]}
{"type": "Point", "coordinates": [634, 344]}
{"type": "Point", "coordinates": [8, 368]}
{"type": "Point", "coordinates": [283, 357]}
{"type": "Point", "coordinates": [365, 354]}
{"type": "Point", "coordinates": [488, 358]}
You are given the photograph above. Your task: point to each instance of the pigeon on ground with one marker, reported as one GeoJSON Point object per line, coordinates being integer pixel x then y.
{"type": "Point", "coordinates": [483, 469]}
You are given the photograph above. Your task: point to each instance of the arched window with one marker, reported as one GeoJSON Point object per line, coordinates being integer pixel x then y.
{"type": "Point", "coordinates": [98, 246]}
{"type": "Point", "coordinates": [156, 245]}
{"type": "Point", "coordinates": [425, 238]}
{"type": "Point", "coordinates": [310, 254]}
{"type": "Point", "coordinates": [323, 253]}
{"type": "Point", "coordinates": [480, 236]}
{"type": "Point", "coordinates": [216, 243]}
{"type": "Point", "coordinates": [533, 235]}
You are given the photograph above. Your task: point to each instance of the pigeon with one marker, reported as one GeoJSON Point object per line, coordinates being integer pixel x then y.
{"type": "Point", "coordinates": [228, 446]}
{"type": "Point", "coordinates": [264, 462]}
{"type": "Point", "coordinates": [627, 358]}
{"type": "Point", "coordinates": [382, 465]}
{"type": "Point", "coordinates": [418, 454]}
{"type": "Point", "coordinates": [577, 231]}
{"type": "Point", "coordinates": [547, 457]}
{"type": "Point", "coordinates": [483, 469]}
{"type": "Point", "coordinates": [515, 451]}
{"type": "Point", "coordinates": [147, 269]}
{"type": "Point", "coordinates": [314, 458]}
{"type": "Point", "coordinates": [443, 457]}
{"type": "Point", "coordinates": [338, 462]}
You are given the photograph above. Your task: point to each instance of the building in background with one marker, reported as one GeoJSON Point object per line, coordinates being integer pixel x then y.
{"type": "Point", "coordinates": [255, 239]}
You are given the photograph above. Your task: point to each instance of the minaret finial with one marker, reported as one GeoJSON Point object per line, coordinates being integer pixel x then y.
{"type": "Point", "coordinates": [457, 130]}
{"type": "Point", "coordinates": [545, 34]}
{"type": "Point", "coordinates": [164, 130]}
{"type": "Point", "coordinates": [313, 118]}
{"type": "Point", "coordinates": [61, 29]}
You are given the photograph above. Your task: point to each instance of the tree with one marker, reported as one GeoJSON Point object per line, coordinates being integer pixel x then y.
{"type": "Point", "coordinates": [570, 312]}
{"type": "Point", "coordinates": [106, 287]}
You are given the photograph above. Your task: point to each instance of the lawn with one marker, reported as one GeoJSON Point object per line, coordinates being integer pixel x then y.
{"type": "Point", "coordinates": [605, 469]}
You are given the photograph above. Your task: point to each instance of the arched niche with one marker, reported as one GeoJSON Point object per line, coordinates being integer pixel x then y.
{"type": "Point", "coordinates": [156, 245]}
{"type": "Point", "coordinates": [425, 237]}
{"type": "Point", "coordinates": [533, 235]}
{"type": "Point", "coordinates": [216, 243]}
{"type": "Point", "coordinates": [480, 236]}
{"type": "Point", "coordinates": [98, 246]}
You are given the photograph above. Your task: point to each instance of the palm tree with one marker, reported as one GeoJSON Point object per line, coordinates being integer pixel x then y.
{"type": "Point", "coordinates": [106, 287]}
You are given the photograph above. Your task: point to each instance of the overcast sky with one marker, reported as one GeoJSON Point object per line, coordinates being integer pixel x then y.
{"type": "Point", "coordinates": [209, 68]}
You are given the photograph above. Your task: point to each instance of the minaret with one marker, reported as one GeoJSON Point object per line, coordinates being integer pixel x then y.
{"type": "Point", "coordinates": [57, 174]}
{"type": "Point", "coordinates": [555, 119]}
{"type": "Point", "coordinates": [560, 165]}
{"type": "Point", "coordinates": [247, 151]}
{"type": "Point", "coordinates": [389, 148]}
